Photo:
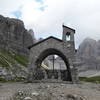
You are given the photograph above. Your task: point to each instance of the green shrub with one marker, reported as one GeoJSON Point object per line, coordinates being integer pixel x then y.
{"type": "Point", "coordinates": [95, 79]}
{"type": "Point", "coordinates": [16, 79]}
{"type": "Point", "coordinates": [2, 79]}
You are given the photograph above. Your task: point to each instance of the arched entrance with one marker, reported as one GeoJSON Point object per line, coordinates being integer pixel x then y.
{"type": "Point", "coordinates": [51, 46]}
{"type": "Point", "coordinates": [52, 51]}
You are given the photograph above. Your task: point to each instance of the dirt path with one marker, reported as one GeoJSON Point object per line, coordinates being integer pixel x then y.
{"type": "Point", "coordinates": [59, 91]}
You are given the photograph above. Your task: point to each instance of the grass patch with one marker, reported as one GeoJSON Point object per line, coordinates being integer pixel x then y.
{"type": "Point", "coordinates": [95, 79]}
{"type": "Point", "coordinates": [23, 60]}
{"type": "Point", "coordinates": [2, 80]}
{"type": "Point", "coordinates": [16, 79]}
{"type": "Point", "coordinates": [8, 58]}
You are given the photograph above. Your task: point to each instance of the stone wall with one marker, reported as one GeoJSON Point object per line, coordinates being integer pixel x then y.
{"type": "Point", "coordinates": [48, 46]}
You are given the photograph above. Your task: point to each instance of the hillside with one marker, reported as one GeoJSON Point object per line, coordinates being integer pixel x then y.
{"type": "Point", "coordinates": [12, 65]}
{"type": "Point", "coordinates": [9, 58]}
{"type": "Point", "coordinates": [14, 42]}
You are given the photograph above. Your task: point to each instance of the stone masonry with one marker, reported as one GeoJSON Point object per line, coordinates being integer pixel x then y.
{"type": "Point", "coordinates": [51, 45]}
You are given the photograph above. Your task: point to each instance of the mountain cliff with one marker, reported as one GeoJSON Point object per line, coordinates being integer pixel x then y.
{"type": "Point", "coordinates": [14, 43]}
{"type": "Point", "coordinates": [14, 36]}
{"type": "Point", "coordinates": [89, 54]}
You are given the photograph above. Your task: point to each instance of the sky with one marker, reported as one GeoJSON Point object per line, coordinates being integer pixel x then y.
{"type": "Point", "coordinates": [46, 17]}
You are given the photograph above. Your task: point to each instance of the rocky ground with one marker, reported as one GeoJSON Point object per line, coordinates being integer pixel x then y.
{"type": "Point", "coordinates": [50, 91]}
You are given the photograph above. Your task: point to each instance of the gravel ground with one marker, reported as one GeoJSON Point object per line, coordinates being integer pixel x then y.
{"type": "Point", "coordinates": [56, 91]}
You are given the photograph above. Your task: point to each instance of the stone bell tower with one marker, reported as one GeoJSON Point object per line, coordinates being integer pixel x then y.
{"type": "Point", "coordinates": [68, 34]}
{"type": "Point", "coordinates": [68, 40]}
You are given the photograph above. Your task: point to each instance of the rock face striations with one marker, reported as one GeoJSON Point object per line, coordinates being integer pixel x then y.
{"type": "Point", "coordinates": [89, 54]}
{"type": "Point", "coordinates": [14, 36]}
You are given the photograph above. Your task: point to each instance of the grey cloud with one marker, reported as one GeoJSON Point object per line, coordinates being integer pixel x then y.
{"type": "Point", "coordinates": [82, 15]}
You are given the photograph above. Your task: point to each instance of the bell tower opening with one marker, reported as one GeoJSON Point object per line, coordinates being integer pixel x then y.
{"type": "Point", "coordinates": [68, 34]}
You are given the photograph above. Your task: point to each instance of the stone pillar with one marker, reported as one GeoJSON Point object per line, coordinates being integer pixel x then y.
{"type": "Point", "coordinates": [30, 75]}
{"type": "Point", "coordinates": [75, 74]}
{"type": "Point", "coordinates": [31, 71]}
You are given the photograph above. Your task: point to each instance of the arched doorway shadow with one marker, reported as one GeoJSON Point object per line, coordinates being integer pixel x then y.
{"type": "Point", "coordinates": [52, 51]}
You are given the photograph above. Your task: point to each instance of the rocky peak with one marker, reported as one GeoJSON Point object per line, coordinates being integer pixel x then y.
{"type": "Point", "coordinates": [88, 48]}
{"type": "Point", "coordinates": [88, 52]}
{"type": "Point", "coordinates": [32, 33]}
{"type": "Point", "coordinates": [14, 35]}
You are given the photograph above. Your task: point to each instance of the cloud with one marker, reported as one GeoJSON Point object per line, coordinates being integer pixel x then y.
{"type": "Point", "coordinates": [42, 8]}
{"type": "Point", "coordinates": [47, 16]}
{"type": "Point", "coordinates": [40, 1]}
{"type": "Point", "coordinates": [17, 13]}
